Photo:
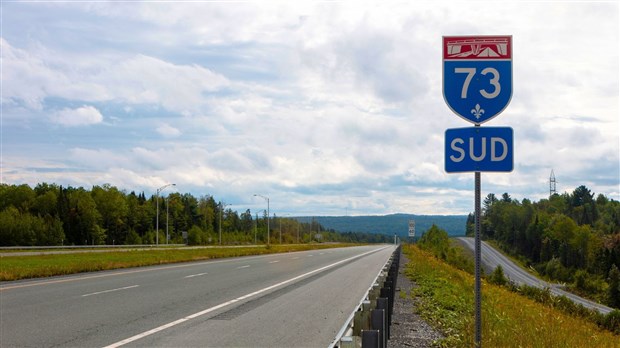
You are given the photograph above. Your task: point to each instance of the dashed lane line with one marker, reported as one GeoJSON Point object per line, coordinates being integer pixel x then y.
{"type": "Point", "coordinates": [111, 290]}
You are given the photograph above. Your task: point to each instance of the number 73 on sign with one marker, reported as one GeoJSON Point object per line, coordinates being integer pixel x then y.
{"type": "Point", "coordinates": [477, 75]}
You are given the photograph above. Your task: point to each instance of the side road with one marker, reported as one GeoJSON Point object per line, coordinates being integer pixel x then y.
{"type": "Point", "coordinates": [491, 258]}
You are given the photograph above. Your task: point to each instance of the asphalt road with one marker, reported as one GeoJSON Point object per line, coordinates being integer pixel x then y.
{"type": "Point", "coordinates": [491, 258]}
{"type": "Point", "coordinates": [296, 299]}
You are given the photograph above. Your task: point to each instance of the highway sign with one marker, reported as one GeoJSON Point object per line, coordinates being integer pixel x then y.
{"type": "Point", "coordinates": [477, 75]}
{"type": "Point", "coordinates": [479, 149]}
{"type": "Point", "coordinates": [411, 228]}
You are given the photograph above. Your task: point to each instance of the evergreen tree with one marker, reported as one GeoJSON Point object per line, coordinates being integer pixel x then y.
{"type": "Point", "coordinates": [498, 277]}
{"type": "Point", "coordinates": [613, 292]}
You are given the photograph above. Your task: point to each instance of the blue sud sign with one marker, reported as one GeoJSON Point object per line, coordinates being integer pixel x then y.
{"type": "Point", "coordinates": [479, 149]}
{"type": "Point", "coordinates": [477, 75]}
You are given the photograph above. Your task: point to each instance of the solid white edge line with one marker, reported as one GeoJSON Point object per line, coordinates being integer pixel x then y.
{"type": "Point", "coordinates": [222, 305]}
{"type": "Point", "coordinates": [111, 290]}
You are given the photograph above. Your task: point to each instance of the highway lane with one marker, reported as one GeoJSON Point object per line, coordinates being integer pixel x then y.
{"type": "Point", "coordinates": [491, 258]}
{"type": "Point", "coordinates": [294, 299]}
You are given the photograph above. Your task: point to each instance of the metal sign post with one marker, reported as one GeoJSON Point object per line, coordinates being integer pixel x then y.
{"type": "Point", "coordinates": [477, 86]}
{"type": "Point", "coordinates": [477, 289]}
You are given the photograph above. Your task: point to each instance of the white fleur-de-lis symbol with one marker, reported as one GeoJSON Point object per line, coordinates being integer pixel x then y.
{"type": "Point", "coordinates": [477, 111]}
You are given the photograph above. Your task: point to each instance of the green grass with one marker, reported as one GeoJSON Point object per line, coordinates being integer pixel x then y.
{"type": "Point", "coordinates": [36, 266]}
{"type": "Point", "coordinates": [508, 319]}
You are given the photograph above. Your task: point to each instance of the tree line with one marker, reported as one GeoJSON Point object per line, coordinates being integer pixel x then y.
{"type": "Point", "coordinates": [49, 214]}
{"type": "Point", "coordinates": [571, 237]}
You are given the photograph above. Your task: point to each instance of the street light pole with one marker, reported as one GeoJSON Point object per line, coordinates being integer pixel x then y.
{"type": "Point", "coordinates": [267, 199]}
{"type": "Point", "coordinates": [222, 206]}
{"type": "Point", "coordinates": [167, 235]}
{"type": "Point", "coordinates": [157, 215]}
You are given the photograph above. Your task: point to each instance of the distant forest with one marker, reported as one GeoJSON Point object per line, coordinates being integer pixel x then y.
{"type": "Point", "coordinates": [49, 214]}
{"type": "Point", "coordinates": [393, 224]}
{"type": "Point", "coordinates": [572, 238]}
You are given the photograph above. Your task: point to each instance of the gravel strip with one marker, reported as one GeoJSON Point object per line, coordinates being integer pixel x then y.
{"type": "Point", "coordinates": [408, 328]}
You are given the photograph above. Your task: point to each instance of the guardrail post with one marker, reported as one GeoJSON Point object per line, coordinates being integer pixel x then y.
{"type": "Point", "coordinates": [370, 339]}
{"type": "Point", "coordinates": [366, 315]}
{"type": "Point", "coordinates": [378, 322]}
{"type": "Point", "coordinates": [387, 293]}
{"type": "Point", "coordinates": [357, 323]}
{"type": "Point", "coordinates": [383, 303]}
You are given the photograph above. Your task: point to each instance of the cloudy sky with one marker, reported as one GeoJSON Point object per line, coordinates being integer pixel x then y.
{"type": "Point", "coordinates": [327, 108]}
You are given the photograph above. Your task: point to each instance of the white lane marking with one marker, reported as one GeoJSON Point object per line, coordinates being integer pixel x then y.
{"type": "Point", "coordinates": [275, 261]}
{"type": "Point", "coordinates": [246, 266]}
{"type": "Point", "coordinates": [195, 275]}
{"type": "Point", "coordinates": [322, 254]}
{"type": "Point", "coordinates": [222, 305]}
{"type": "Point", "coordinates": [295, 258]}
{"type": "Point", "coordinates": [310, 255]}
{"type": "Point", "coordinates": [111, 290]}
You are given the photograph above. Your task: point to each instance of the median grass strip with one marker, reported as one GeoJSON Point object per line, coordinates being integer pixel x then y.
{"type": "Point", "coordinates": [36, 266]}
{"type": "Point", "coordinates": [508, 319]}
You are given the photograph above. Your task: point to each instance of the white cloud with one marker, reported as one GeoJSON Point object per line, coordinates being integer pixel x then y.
{"type": "Point", "coordinates": [168, 131]}
{"type": "Point", "coordinates": [148, 80]}
{"type": "Point", "coordinates": [31, 76]}
{"type": "Point", "coordinates": [82, 116]}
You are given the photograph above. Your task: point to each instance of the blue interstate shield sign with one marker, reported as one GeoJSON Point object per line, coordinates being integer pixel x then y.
{"type": "Point", "coordinates": [479, 149]}
{"type": "Point", "coordinates": [477, 75]}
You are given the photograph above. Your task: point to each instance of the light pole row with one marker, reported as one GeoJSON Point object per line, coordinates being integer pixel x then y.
{"type": "Point", "coordinates": [222, 206]}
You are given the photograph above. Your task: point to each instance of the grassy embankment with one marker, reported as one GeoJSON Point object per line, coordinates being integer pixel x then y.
{"type": "Point", "coordinates": [508, 319]}
{"type": "Point", "coordinates": [35, 266]}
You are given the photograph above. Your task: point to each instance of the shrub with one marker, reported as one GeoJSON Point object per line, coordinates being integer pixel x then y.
{"type": "Point", "coordinates": [612, 321]}
{"type": "Point", "coordinates": [196, 236]}
{"type": "Point", "coordinates": [498, 277]}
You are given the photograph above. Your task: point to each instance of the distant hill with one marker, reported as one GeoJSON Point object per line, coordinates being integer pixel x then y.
{"type": "Point", "coordinates": [390, 224]}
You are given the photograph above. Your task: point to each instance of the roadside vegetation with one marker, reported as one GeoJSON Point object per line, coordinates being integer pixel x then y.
{"type": "Point", "coordinates": [508, 318]}
{"type": "Point", "coordinates": [572, 239]}
{"type": "Point", "coordinates": [35, 266]}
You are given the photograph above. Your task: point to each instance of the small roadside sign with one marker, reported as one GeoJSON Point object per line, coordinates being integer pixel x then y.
{"type": "Point", "coordinates": [477, 75]}
{"type": "Point", "coordinates": [479, 149]}
{"type": "Point", "coordinates": [411, 228]}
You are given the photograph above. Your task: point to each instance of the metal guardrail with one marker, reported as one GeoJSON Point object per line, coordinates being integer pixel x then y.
{"type": "Point", "coordinates": [368, 326]}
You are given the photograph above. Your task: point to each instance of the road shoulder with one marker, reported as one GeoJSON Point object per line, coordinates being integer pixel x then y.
{"type": "Point", "coordinates": [408, 328]}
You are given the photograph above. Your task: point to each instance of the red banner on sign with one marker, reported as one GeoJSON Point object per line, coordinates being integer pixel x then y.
{"type": "Point", "coordinates": [477, 47]}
